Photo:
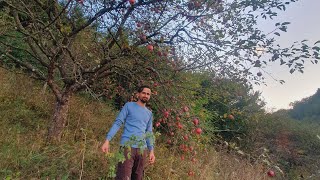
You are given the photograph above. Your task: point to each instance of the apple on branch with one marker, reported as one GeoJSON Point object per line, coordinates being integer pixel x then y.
{"type": "Point", "coordinates": [195, 121]}
{"type": "Point", "coordinates": [231, 117]}
{"type": "Point", "coordinates": [271, 173]}
{"type": "Point", "coordinates": [198, 131]}
{"type": "Point", "coordinates": [132, 2]}
{"type": "Point", "coordinates": [150, 47]}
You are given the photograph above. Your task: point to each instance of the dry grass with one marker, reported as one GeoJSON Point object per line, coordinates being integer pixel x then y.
{"type": "Point", "coordinates": [26, 108]}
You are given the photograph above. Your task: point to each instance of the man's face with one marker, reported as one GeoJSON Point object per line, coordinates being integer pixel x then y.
{"type": "Point", "coordinates": [144, 96]}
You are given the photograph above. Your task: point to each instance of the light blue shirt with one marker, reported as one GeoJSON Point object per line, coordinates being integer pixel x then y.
{"type": "Point", "coordinates": [137, 122]}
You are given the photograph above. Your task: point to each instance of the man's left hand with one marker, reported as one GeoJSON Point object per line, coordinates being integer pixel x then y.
{"type": "Point", "coordinates": [152, 157]}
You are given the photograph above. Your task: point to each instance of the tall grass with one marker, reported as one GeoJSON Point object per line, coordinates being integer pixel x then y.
{"type": "Point", "coordinates": [26, 107]}
{"type": "Point", "coordinates": [292, 145]}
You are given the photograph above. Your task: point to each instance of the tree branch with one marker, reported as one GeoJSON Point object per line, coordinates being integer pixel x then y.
{"type": "Point", "coordinates": [95, 17]}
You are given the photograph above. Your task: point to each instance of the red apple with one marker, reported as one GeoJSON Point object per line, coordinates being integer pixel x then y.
{"type": "Point", "coordinates": [157, 10]}
{"type": "Point", "coordinates": [139, 24]}
{"type": "Point", "coordinates": [185, 109]}
{"type": "Point", "coordinates": [157, 124]}
{"type": "Point", "coordinates": [180, 126]}
{"type": "Point", "coordinates": [271, 173]}
{"type": "Point", "coordinates": [231, 117]}
{"type": "Point", "coordinates": [190, 173]}
{"type": "Point", "coordinates": [196, 121]}
{"type": "Point", "coordinates": [182, 158]}
{"type": "Point", "coordinates": [143, 38]}
{"type": "Point", "coordinates": [166, 114]}
{"type": "Point", "coordinates": [198, 131]}
{"type": "Point", "coordinates": [197, 4]}
{"type": "Point", "coordinates": [182, 147]}
{"type": "Point", "coordinates": [185, 137]}
{"type": "Point", "coordinates": [165, 54]}
{"type": "Point", "coordinates": [132, 2]}
{"type": "Point", "coordinates": [155, 84]}
{"type": "Point", "coordinates": [150, 47]}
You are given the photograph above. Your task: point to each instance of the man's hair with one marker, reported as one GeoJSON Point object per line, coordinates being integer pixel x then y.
{"type": "Point", "coordinates": [140, 89]}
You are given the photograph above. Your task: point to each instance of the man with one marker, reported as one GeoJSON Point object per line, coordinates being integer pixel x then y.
{"type": "Point", "coordinates": [137, 120]}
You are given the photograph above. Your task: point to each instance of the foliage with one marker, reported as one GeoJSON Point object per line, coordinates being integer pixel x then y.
{"type": "Point", "coordinates": [77, 45]}
{"type": "Point", "coordinates": [229, 106]}
{"type": "Point", "coordinates": [282, 142]}
{"type": "Point", "coordinates": [307, 108]}
{"type": "Point", "coordinates": [108, 48]}
{"type": "Point", "coordinates": [25, 109]}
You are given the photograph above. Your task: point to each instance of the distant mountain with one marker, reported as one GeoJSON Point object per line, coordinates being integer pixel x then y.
{"type": "Point", "coordinates": [307, 108]}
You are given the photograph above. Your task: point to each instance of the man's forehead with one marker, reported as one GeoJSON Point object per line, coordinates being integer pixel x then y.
{"type": "Point", "coordinates": [146, 90]}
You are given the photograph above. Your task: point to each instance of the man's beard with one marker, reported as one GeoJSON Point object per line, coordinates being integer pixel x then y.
{"type": "Point", "coordinates": [143, 100]}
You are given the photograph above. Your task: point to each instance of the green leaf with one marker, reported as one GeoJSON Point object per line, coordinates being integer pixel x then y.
{"type": "Point", "coordinates": [285, 23]}
{"type": "Point", "coordinates": [254, 7]}
{"type": "Point", "coordinates": [276, 33]}
{"type": "Point", "coordinates": [317, 42]}
{"type": "Point", "coordinates": [316, 48]}
{"type": "Point", "coordinates": [292, 70]}
{"type": "Point", "coordinates": [257, 65]}
{"type": "Point", "coordinates": [283, 28]}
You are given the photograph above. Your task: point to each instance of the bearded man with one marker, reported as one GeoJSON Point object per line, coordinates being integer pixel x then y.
{"type": "Point", "coordinates": [137, 120]}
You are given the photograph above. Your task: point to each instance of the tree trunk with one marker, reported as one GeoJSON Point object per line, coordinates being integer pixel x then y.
{"type": "Point", "coordinates": [59, 118]}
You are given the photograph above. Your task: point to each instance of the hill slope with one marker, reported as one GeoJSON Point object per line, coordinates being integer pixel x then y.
{"type": "Point", "coordinates": [26, 108]}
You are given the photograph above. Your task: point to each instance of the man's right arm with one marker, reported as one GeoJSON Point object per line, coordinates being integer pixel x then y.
{"type": "Point", "coordinates": [115, 127]}
{"type": "Point", "coordinates": [105, 147]}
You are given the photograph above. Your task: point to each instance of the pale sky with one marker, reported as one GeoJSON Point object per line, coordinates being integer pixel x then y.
{"type": "Point", "coordinates": [305, 24]}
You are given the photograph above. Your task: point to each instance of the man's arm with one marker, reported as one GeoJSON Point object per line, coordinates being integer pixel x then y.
{"type": "Point", "coordinates": [105, 147]}
{"type": "Point", "coordinates": [152, 157]}
{"type": "Point", "coordinates": [150, 141]}
{"type": "Point", "coordinates": [149, 133]}
{"type": "Point", "coordinates": [115, 127]}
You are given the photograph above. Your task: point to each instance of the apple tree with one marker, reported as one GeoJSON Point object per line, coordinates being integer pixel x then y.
{"type": "Point", "coordinates": [74, 45]}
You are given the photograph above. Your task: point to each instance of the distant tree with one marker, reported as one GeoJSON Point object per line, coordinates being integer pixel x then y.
{"type": "Point", "coordinates": [74, 44]}
{"type": "Point", "coordinates": [307, 108]}
{"type": "Point", "coordinates": [231, 105]}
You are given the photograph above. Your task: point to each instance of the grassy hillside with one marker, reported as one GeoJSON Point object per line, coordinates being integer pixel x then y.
{"type": "Point", "coordinates": [25, 110]}
{"type": "Point", "coordinates": [292, 145]}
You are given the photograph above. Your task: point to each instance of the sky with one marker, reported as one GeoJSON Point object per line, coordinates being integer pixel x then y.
{"type": "Point", "coordinates": [303, 16]}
